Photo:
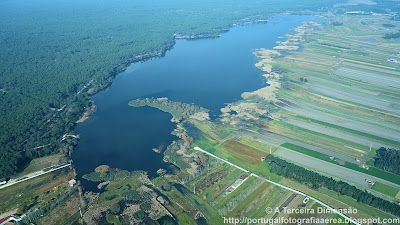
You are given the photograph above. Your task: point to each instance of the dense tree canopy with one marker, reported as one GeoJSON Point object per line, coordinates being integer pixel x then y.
{"type": "Point", "coordinates": [388, 159]}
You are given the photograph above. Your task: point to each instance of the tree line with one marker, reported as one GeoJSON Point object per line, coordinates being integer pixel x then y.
{"type": "Point", "coordinates": [388, 159]}
{"type": "Point", "coordinates": [178, 110]}
{"type": "Point", "coordinates": [392, 35]}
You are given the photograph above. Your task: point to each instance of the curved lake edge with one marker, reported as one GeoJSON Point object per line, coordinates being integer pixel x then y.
{"type": "Point", "coordinates": [185, 122]}
{"type": "Point", "coordinates": [159, 53]}
{"type": "Point", "coordinates": [288, 26]}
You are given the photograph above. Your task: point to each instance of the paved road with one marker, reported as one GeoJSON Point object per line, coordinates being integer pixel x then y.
{"type": "Point", "coordinates": [280, 185]}
{"type": "Point", "coordinates": [30, 176]}
{"type": "Point", "coordinates": [334, 170]}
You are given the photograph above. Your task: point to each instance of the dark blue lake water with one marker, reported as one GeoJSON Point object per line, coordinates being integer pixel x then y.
{"type": "Point", "coordinates": [206, 72]}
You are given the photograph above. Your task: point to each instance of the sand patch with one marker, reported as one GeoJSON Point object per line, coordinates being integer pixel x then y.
{"type": "Point", "coordinates": [87, 113]}
{"type": "Point", "coordinates": [251, 110]}
{"type": "Point", "coordinates": [201, 116]}
{"type": "Point", "coordinates": [287, 47]}
{"type": "Point", "coordinates": [265, 59]}
{"type": "Point", "coordinates": [244, 110]}
{"type": "Point", "coordinates": [293, 40]}
{"type": "Point", "coordinates": [267, 93]}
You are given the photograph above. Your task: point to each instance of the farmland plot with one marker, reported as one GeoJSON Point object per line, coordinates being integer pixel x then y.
{"type": "Point", "coordinates": [372, 68]}
{"type": "Point", "coordinates": [335, 133]}
{"type": "Point", "coordinates": [369, 77]}
{"type": "Point", "coordinates": [352, 95]}
{"type": "Point", "coordinates": [337, 171]}
{"type": "Point", "coordinates": [349, 111]}
{"type": "Point", "coordinates": [273, 136]}
{"type": "Point", "coordinates": [329, 118]}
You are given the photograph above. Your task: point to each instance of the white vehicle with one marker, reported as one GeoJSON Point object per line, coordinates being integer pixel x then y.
{"type": "Point", "coordinates": [3, 181]}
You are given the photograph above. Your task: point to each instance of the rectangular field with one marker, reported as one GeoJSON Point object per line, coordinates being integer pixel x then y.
{"type": "Point", "coordinates": [307, 151]}
{"type": "Point", "coordinates": [334, 170]}
{"type": "Point", "coordinates": [246, 155]}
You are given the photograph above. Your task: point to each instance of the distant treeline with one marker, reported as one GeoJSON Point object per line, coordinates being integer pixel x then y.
{"type": "Point", "coordinates": [337, 23]}
{"type": "Point", "coordinates": [392, 35]}
{"type": "Point", "coordinates": [395, 17]}
{"type": "Point", "coordinates": [388, 25]}
{"type": "Point", "coordinates": [315, 181]}
{"type": "Point", "coordinates": [381, 6]}
{"type": "Point", "coordinates": [113, 174]}
{"type": "Point", "coordinates": [388, 159]}
{"type": "Point", "coordinates": [178, 110]}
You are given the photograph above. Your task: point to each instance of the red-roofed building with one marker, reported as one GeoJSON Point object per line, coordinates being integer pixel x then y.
{"type": "Point", "coordinates": [10, 220]}
{"type": "Point", "coordinates": [5, 220]}
{"type": "Point", "coordinates": [244, 177]}
{"type": "Point", "coordinates": [72, 182]}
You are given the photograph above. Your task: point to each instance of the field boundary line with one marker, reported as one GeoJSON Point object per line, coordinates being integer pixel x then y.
{"type": "Point", "coordinates": [280, 185]}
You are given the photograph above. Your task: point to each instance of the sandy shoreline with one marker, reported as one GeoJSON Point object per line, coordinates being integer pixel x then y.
{"type": "Point", "coordinates": [248, 109]}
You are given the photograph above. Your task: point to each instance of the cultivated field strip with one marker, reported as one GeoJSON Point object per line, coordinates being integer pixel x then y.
{"type": "Point", "coordinates": [335, 133]}
{"type": "Point", "coordinates": [373, 68]}
{"type": "Point", "coordinates": [277, 139]}
{"type": "Point", "coordinates": [369, 77]}
{"type": "Point", "coordinates": [342, 109]}
{"type": "Point", "coordinates": [351, 95]}
{"type": "Point", "coordinates": [330, 168]}
{"type": "Point", "coordinates": [351, 124]}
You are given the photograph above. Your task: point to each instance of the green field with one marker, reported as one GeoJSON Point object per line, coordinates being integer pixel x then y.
{"type": "Point", "coordinates": [385, 189]}
{"type": "Point", "coordinates": [263, 170]}
{"type": "Point", "coordinates": [309, 152]}
{"type": "Point", "coordinates": [322, 135]}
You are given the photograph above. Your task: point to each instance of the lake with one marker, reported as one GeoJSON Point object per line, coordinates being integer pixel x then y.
{"type": "Point", "coordinates": [206, 72]}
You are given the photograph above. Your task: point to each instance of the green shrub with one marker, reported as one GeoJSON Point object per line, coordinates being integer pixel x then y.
{"type": "Point", "coordinates": [145, 206]}
{"type": "Point", "coordinates": [140, 215]}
